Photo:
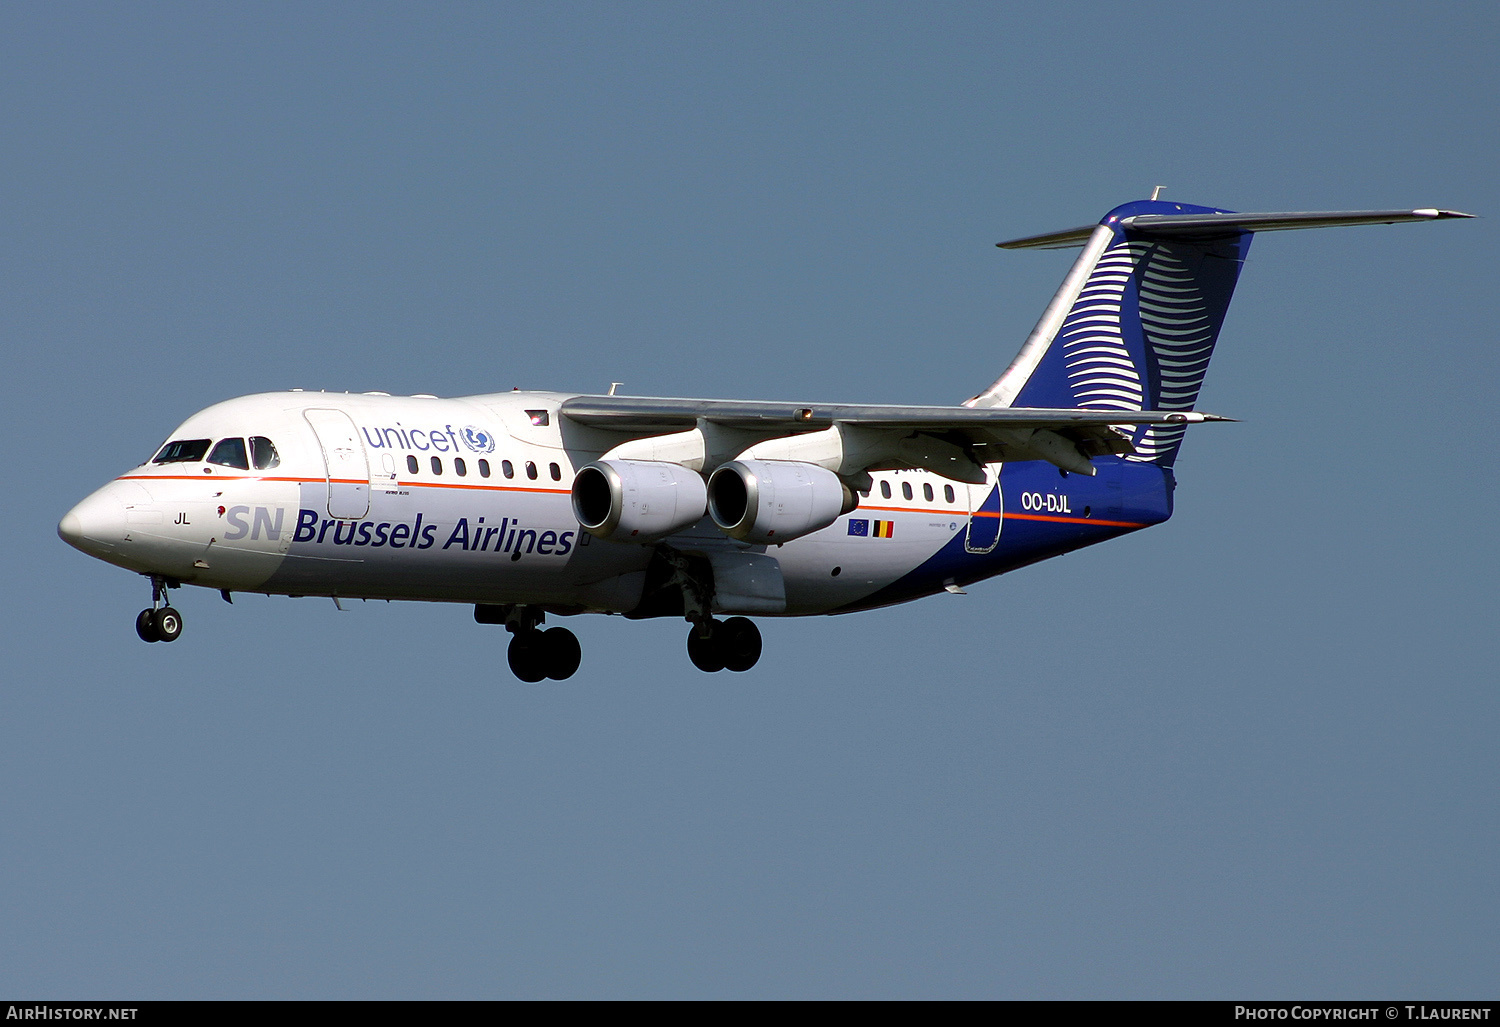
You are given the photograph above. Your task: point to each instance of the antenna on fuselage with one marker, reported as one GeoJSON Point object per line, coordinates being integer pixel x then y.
{"type": "Point", "coordinates": [613, 386]}
{"type": "Point", "coordinates": [1156, 193]}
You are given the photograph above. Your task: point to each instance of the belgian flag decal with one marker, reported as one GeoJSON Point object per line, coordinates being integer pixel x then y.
{"type": "Point", "coordinates": [883, 529]}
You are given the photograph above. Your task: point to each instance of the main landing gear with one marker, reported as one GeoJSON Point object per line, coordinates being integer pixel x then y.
{"type": "Point", "coordinates": [160, 623]}
{"type": "Point", "coordinates": [712, 645]}
{"type": "Point", "coordinates": [733, 644]}
{"type": "Point", "coordinates": [534, 653]}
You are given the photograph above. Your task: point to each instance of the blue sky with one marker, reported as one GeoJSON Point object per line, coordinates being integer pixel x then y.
{"type": "Point", "coordinates": [1248, 753]}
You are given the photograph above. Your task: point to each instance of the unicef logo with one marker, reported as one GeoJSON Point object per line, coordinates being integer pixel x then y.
{"type": "Point", "coordinates": [478, 440]}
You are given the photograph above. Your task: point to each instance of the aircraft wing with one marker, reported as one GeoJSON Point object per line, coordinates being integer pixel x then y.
{"type": "Point", "coordinates": [641, 415]}
{"type": "Point", "coordinates": [1066, 437]}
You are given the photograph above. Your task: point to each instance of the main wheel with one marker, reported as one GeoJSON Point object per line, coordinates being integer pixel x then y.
{"type": "Point", "coordinates": [562, 653]}
{"type": "Point", "coordinates": [527, 657]}
{"type": "Point", "coordinates": [168, 623]}
{"type": "Point", "coordinates": [704, 652]}
{"type": "Point", "coordinates": [738, 641]}
{"type": "Point", "coordinates": [145, 626]}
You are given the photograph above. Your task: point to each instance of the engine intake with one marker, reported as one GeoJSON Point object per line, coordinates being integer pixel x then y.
{"type": "Point", "coordinates": [637, 500]}
{"type": "Point", "coordinates": [770, 501]}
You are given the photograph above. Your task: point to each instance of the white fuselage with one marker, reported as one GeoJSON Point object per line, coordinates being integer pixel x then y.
{"type": "Point", "coordinates": [459, 500]}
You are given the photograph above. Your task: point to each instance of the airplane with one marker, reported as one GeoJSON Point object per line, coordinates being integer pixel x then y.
{"type": "Point", "coordinates": [530, 504]}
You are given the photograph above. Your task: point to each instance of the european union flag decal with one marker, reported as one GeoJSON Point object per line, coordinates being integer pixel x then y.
{"type": "Point", "coordinates": [858, 526]}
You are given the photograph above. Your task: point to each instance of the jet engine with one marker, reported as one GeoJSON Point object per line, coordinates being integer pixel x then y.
{"type": "Point", "coordinates": [637, 500]}
{"type": "Point", "coordinates": [770, 501]}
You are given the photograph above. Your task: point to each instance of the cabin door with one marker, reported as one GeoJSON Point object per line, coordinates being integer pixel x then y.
{"type": "Point", "coordinates": [344, 461]}
{"type": "Point", "coordinates": [984, 517]}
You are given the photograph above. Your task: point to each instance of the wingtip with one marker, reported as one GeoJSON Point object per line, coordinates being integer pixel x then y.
{"type": "Point", "coordinates": [1199, 417]}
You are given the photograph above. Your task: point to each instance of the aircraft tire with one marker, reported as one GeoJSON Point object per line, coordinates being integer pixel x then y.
{"type": "Point", "coordinates": [168, 624]}
{"type": "Point", "coordinates": [145, 626]}
{"type": "Point", "coordinates": [527, 658]}
{"type": "Point", "coordinates": [562, 653]}
{"type": "Point", "coordinates": [739, 644]}
{"type": "Point", "coordinates": [706, 653]}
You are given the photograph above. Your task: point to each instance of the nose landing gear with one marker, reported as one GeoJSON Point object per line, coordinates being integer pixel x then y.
{"type": "Point", "coordinates": [733, 644]}
{"type": "Point", "coordinates": [158, 623]}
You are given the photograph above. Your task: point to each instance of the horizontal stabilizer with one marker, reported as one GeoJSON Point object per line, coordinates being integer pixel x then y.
{"type": "Point", "coordinates": [1207, 224]}
{"type": "Point", "coordinates": [1187, 226]}
{"type": "Point", "coordinates": [1052, 240]}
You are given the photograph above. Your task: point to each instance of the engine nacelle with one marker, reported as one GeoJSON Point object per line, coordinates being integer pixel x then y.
{"type": "Point", "coordinates": [770, 501]}
{"type": "Point", "coordinates": [637, 500]}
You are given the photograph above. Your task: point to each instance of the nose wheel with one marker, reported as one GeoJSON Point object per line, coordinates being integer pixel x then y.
{"type": "Point", "coordinates": [733, 644]}
{"type": "Point", "coordinates": [158, 623]}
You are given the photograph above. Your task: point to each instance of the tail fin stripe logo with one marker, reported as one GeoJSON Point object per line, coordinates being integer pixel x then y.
{"type": "Point", "coordinates": [1103, 381]}
{"type": "Point", "coordinates": [1102, 367]}
{"type": "Point", "coordinates": [1098, 355]}
{"type": "Point", "coordinates": [1142, 317]}
{"type": "Point", "coordinates": [1140, 311]}
{"type": "Point", "coordinates": [1176, 324]}
{"type": "Point", "coordinates": [1177, 331]}
{"type": "Point", "coordinates": [1101, 371]}
{"type": "Point", "coordinates": [1160, 318]}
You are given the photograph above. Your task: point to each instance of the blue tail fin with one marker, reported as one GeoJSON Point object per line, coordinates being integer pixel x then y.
{"type": "Point", "coordinates": [1134, 325]}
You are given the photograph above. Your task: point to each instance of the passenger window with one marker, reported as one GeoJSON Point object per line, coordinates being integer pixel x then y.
{"type": "Point", "coordinates": [927, 492]}
{"type": "Point", "coordinates": [230, 453]}
{"type": "Point", "coordinates": [437, 466]}
{"type": "Point", "coordinates": [411, 464]}
{"type": "Point", "coordinates": [507, 468]}
{"type": "Point", "coordinates": [885, 490]}
{"type": "Point", "coordinates": [531, 470]}
{"type": "Point", "coordinates": [555, 471]}
{"type": "Point", "coordinates": [484, 468]}
{"type": "Point", "coordinates": [182, 451]}
{"type": "Point", "coordinates": [906, 490]}
{"type": "Point", "coordinates": [459, 467]}
{"type": "Point", "coordinates": [948, 493]}
{"type": "Point", "coordinates": [263, 453]}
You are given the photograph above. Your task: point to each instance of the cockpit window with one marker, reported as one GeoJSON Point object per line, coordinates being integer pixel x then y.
{"type": "Point", "coordinates": [264, 452]}
{"type": "Point", "coordinates": [182, 451]}
{"type": "Point", "coordinates": [230, 453]}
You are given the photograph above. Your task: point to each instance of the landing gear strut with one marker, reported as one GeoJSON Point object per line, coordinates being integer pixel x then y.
{"type": "Point", "coordinates": [159, 623]}
{"type": "Point", "coordinates": [534, 653]}
{"type": "Point", "coordinates": [733, 644]}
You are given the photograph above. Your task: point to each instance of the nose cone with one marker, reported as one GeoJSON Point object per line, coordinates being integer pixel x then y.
{"type": "Point", "coordinates": [70, 528]}
{"type": "Point", "coordinates": [97, 525]}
